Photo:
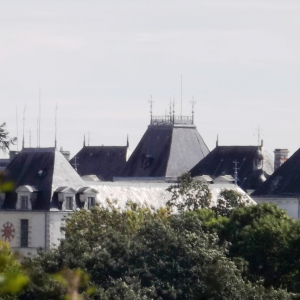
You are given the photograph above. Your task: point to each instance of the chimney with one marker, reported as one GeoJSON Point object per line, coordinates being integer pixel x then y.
{"type": "Point", "coordinates": [65, 153]}
{"type": "Point", "coordinates": [12, 154]}
{"type": "Point", "coordinates": [280, 156]}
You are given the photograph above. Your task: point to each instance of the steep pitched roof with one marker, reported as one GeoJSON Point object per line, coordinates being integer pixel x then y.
{"type": "Point", "coordinates": [166, 151]}
{"type": "Point", "coordinates": [284, 181]}
{"type": "Point", "coordinates": [103, 161]}
{"type": "Point", "coordinates": [43, 168]}
{"type": "Point", "coordinates": [220, 162]}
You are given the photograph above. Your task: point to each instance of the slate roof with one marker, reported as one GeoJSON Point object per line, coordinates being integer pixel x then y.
{"type": "Point", "coordinates": [44, 168]}
{"type": "Point", "coordinates": [220, 162]}
{"type": "Point", "coordinates": [4, 163]}
{"type": "Point", "coordinates": [285, 181]}
{"type": "Point", "coordinates": [103, 161]}
{"type": "Point", "coordinates": [166, 151]}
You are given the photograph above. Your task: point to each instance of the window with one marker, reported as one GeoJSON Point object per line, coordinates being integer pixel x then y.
{"type": "Point", "coordinates": [69, 203]}
{"type": "Point", "coordinates": [24, 202]}
{"type": "Point", "coordinates": [91, 202]}
{"type": "Point", "coordinates": [24, 233]}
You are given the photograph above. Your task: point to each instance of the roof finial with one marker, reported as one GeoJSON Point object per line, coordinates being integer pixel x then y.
{"type": "Point", "coordinates": [76, 164]}
{"type": "Point", "coordinates": [127, 141]}
{"type": "Point", "coordinates": [23, 142]}
{"type": "Point", "coordinates": [259, 131]}
{"type": "Point", "coordinates": [17, 128]}
{"type": "Point", "coordinates": [181, 98]}
{"type": "Point", "coordinates": [217, 142]}
{"type": "Point", "coordinates": [84, 140]}
{"type": "Point", "coordinates": [55, 140]}
{"type": "Point", "coordinates": [173, 109]}
{"type": "Point", "coordinates": [151, 106]}
{"type": "Point", "coordinates": [40, 117]}
{"type": "Point", "coordinates": [193, 102]}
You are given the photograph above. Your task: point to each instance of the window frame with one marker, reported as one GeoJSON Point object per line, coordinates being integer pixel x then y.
{"type": "Point", "coordinates": [69, 202]}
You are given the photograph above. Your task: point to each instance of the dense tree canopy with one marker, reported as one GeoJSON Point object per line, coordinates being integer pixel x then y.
{"type": "Point", "coordinates": [141, 253]}
{"type": "Point", "coordinates": [230, 251]}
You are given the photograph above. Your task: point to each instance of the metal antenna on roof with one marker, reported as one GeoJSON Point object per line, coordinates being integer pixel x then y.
{"type": "Point", "coordinates": [37, 131]}
{"type": "Point", "coordinates": [217, 142]}
{"type": "Point", "coordinates": [127, 141]}
{"type": "Point", "coordinates": [173, 109]}
{"type": "Point", "coordinates": [23, 143]}
{"type": "Point", "coordinates": [55, 140]}
{"type": "Point", "coordinates": [151, 106]}
{"type": "Point", "coordinates": [17, 128]}
{"type": "Point", "coordinates": [29, 134]}
{"type": "Point", "coordinates": [193, 106]}
{"type": "Point", "coordinates": [76, 164]}
{"type": "Point", "coordinates": [39, 117]}
{"type": "Point", "coordinates": [84, 140]}
{"type": "Point", "coordinates": [259, 132]}
{"type": "Point", "coordinates": [235, 172]}
{"type": "Point", "coordinates": [181, 99]}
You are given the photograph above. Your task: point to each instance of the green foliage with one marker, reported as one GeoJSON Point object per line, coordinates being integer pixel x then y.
{"type": "Point", "coordinates": [188, 194]}
{"type": "Point", "coordinates": [141, 253]}
{"type": "Point", "coordinates": [264, 237]}
{"type": "Point", "coordinates": [5, 140]}
{"type": "Point", "coordinates": [228, 200]}
{"type": "Point", "coordinates": [12, 279]}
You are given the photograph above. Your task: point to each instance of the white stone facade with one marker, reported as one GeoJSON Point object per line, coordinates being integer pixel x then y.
{"type": "Point", "coordinates": [43, 229]}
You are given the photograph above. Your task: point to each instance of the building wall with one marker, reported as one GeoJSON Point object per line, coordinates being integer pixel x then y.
{"type": "Point", "coordinates": [55, 221]}
{"type": "Point", "coordinates": [43, 231]}
{"type": "Point", "coordinates": [290, 205]}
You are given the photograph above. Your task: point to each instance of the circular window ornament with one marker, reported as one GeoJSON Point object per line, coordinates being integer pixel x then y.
{"type": "Point", "coordinates": [8, 232]}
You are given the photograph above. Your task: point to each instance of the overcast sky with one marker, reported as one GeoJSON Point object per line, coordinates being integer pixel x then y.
{"type": "Point", "coordinates": [101, 60]}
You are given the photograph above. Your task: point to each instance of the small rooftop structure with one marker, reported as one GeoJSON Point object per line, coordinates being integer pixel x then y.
{"type": "Point", "coordinates": [284, 182]}
{"type": "Point", "coordinates": [170, 147]}
{"type": "Point", "coordinates": [253, 164]}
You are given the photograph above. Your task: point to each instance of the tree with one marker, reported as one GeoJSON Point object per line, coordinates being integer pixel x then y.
{"type": "Point", "coordinates": [5, 140]}
{"type": "Point", "coordinates": [228, 200]}
{"type": "Point", "coordinates": [141, 253]}
{"type": "Point", "coordinates": [262, 236]}
{"type": "Point", "coordinates": [188, 194]}
{"type": "Point", "coordinates": [12, 278]}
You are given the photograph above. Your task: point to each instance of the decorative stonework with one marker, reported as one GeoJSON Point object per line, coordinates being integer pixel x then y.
{"type": "Point", "coordinates": [8, 232]}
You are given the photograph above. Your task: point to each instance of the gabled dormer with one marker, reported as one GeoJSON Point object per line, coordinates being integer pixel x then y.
{"type": "Point", "coordinates": [26, 197]}
{"type": "Point", "coordinates": [87, 197]}
{"type": "Point", "coordinates": [66, 198]}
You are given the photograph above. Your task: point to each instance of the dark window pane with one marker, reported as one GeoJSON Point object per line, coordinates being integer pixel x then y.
{"type": "Point", "coordinates": [24, 233]}
{"type": "Point", "coordinates": [91, 202]}
{"type": "Point", "coordinates": [24, 202]}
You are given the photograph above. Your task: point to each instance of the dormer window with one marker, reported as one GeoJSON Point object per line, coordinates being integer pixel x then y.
{"type": "Point", "coordinates": [87, 197]}
{"type": "Point", "coordinates": [27, 196]}
{"type": "Point", "coordinates": [66, 198]}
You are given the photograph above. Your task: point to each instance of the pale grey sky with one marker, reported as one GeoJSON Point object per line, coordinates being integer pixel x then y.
{"type": "Point", "coordinates": [101, 60]}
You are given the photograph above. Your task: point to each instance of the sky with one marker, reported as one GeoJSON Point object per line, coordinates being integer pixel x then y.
{"type": "Point", "coordinates": [100, 62]}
